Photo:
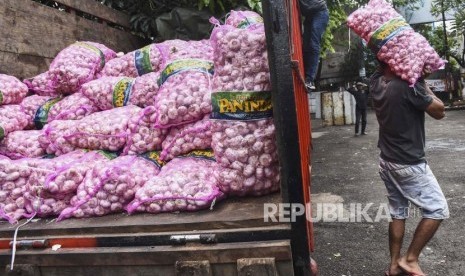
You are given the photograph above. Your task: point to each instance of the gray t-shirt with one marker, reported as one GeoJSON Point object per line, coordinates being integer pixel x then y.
{"type": "Point", "coordinates": [400, 111]}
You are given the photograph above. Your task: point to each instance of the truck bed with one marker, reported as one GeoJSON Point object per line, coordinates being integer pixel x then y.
{"type": "Point", "coordinates": [234, 238]}
{"type": "Point", "coordinates": [228, 214]}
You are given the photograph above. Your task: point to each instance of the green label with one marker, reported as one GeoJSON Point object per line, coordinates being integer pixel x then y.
{"type": "Point", "coordinates": [202, 154]}
{"type": "Point", "coordinates": [386, 32]}
{"type": "Point", "coordinates": [154, 157]}
{"type": "Point", "coordinates": [1, 97]}
{"type": "Point", "coordinates": [41, 116]}
{"type": "Point", "coordinates": [2, 133]}
{"type": "Point", "coordinates": [241, 106]}
{"type": "Point", "coordinates": [108, 154]}
{"type": "Point", "coordinates": [249, 21]}
{"type": "Point", "coordinates": [182, 65]}
{"type": "Point", "coordinates": [122, 92]}
{"type": "Point", "coordinates": [142, 61]}
{"type": "Point", "coordinates": [95, 50]}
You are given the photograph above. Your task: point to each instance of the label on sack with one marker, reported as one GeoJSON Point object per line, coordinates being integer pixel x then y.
{"type": "Point", "coordinates": [108, 154]}
{"type": "Point", "coordinates": [142, 61]}
{"type": "Point", "coordinates": [95, 50]}
{"type": "Point", "coordinates": [202, 154]}
{"type": "Point", "coordinates": [249, 21]}
{"type": "Point", "coordinates": [41, 117]}
{"type": "Point", "coordinates": [241, 106]}
{"type": "Point", "coordinates": [154, 157]}
{"type": "Point", "coordinates": [122, 92]}
{"type": "Point", "coordinates": [182, 65]}
{"type": "Point", "coordinates": [2, 133]}
{"type": "Point", "coordinates": [386, 32]}
{"type": "Point", "coordinates": [48, 156]}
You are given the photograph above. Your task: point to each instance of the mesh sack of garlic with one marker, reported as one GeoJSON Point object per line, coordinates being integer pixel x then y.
{"type": "Point", "coordinates": [110, 92]}
{"type": "Point", "coordinates": [45, 109]}
{"type": "Point", "coordinates": [186, 183]}
{"type": "Point", "coordinates": [12, 118]}
{"type": "Point", "coordinates": [106, 130]}
{"type": "Point", "coordinates": [77, 64]}
{"type": "Point", "coordinates": [185, 83]}
{"type": "Point", "coordinates": [41, 85]}
{"type": "Point", "coordinates": [393, 41]}
{"type": "Point", "coordinates": [12, 90]}
{"type": "Point", "coordinates": [22, 144]}
{"type": "Point", "coordinates": [49, 188]}
{"type": "Point", "coordinates": [136, 63]}
{"type": "Point", "coordinates": [243, 131]}
{"type": "Point", "coordinates": [186, 138]}
{"type": "Point", "coordinates": [109, 187]}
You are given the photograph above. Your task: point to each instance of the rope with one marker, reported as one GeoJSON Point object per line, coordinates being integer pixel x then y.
{"type": "Point", "coordinates": [294, 63]}
{"type": "Point", "coordinates": [13, 253]}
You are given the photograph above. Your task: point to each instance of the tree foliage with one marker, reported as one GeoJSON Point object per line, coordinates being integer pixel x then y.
{"type": "Point", "coordinates": [145, 12]}
{"type": "Point", "coordinates": [457, 33]}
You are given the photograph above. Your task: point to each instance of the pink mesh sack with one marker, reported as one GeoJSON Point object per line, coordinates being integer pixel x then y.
{"type": "Point", "coordinates": [186, 138]}
{"type": "Point", "coordinates": [393, 41]}
{"type": "Point", "coordinates": [38, 200]}
{"type": "Point", "coordinates": [12, 118]}
{"type": "Point", "coordinates": [52, 138]}
{"type": "Point", "coordinates": [22, 144]}
{"type": "Point", "coordinates": [243, 132]}
{"type": "Point", "coordinates": [106, 130]}
{"type": "Point", "coordinates": [185, 83]}
{"type": "Point", "coordinates": [66, 179]}
{"type": "Point", "coordinates": [72, 107]}
{"type": "Point", "coordinates": [12, 91]}
{"type": "Point", "coordinates": [184, 184]}
{"type": "Point", "coordinates": [109, 187]}
{"type": "Point", "coordinates": [242, 19]}
{"type": "Point", "coordinates": [30, 105]}
{"type": "Point", "coordinates": [111, 92]}
{"type": "Point", "coordinates": [143, 135]}
{"type": "Point", "coordinates": [13, 179]}
{"type": "Point", "coordinates": [77, 64]}
{"type": "Point", "coordinates": [45, 109]}
{"type": "Point", "coordinates": [41, 85]}
{"type": "Point", "coordinates": [137, 63]}
{"type": "Point", "coordinates": [17, 179]}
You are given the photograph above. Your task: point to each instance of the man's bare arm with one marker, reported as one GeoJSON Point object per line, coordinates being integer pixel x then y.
{"type": "Point", "coordinates": [436, 108]}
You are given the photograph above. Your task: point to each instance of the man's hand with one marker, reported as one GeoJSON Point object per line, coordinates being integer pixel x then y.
{"type": "Point", "coordinates": [426, 72]}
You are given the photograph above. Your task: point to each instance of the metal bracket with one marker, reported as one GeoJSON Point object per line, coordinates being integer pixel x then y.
{"type": "Point", "coordinates": [202, 238]}
{"type": "Point", "coordinates": [31, 244]}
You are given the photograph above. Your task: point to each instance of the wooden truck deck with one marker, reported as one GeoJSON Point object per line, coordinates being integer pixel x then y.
{"type": "Point", "coordinates": [232, 237]}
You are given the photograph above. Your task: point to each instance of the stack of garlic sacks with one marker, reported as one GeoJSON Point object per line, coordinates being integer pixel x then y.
{"type": "Point", "coordinates": [146, 131]}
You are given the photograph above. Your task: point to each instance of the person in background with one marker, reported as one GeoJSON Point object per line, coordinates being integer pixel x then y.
{"type": "Point", "coordinates": [400, 111]}
{"type": "Point", "coordinates": [316, 19]}
{"type": "Point", "coordinates": [360, 93]}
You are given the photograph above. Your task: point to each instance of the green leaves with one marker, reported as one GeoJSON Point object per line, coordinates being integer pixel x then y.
{"type": "Point", "coordinates": [337, 18]}
{"type": "Point", "coordinates": [456, 36]}
{"type": "Point", "coordinates": [144, 12]}
{"type": "Point", "coordinates": [255, 5]}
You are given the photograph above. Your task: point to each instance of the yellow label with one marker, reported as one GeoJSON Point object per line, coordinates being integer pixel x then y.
{"type": "Point", "coordinates": [154, 156]}
{"type": "Point", "coordinates": [244, 105]}
{"type": "Point", "coordinates": [203, 154]}
{"type": "Point", "coordinates": [122, 92]}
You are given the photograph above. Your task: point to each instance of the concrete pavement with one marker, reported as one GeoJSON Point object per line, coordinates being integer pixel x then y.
{"type": "Point", "coordinates": [345, 170]}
